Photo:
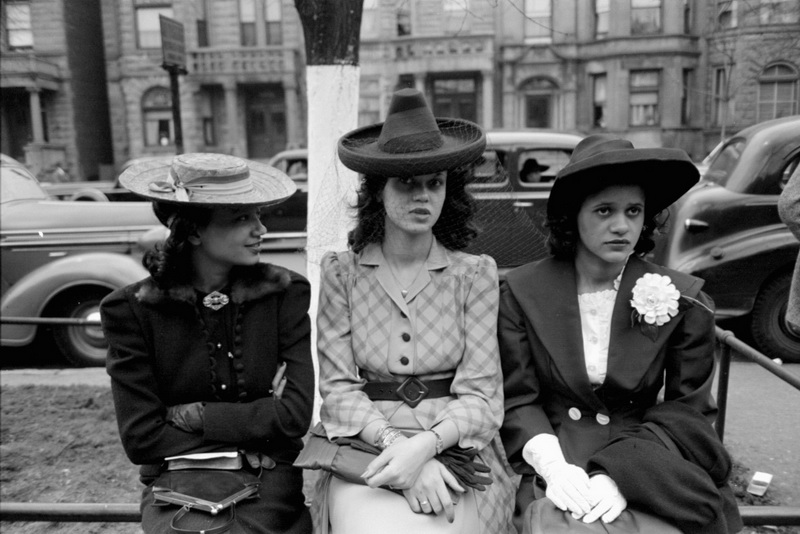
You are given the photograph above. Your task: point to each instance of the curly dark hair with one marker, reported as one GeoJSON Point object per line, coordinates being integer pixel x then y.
{"type": "Point", "coordinates": [563, 226]}
{"type": "Point", "coordinates": [454, 229]}
{"type": "Point", "coordinates": [170, 262]}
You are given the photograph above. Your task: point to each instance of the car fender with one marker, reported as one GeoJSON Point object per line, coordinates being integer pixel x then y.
{"type": "Point", "coordinates": [31, 294]}
{"type": "Point", "coordinates": [741, 263]}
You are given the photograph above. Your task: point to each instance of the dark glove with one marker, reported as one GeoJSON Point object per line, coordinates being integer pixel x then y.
{"type": "Point", "coordinates": [187, 417]}
{"type": "Point", "coordinates": [461, 463]}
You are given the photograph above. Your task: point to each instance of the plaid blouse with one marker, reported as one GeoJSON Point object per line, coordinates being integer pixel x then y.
{"type": "Point", "coordinates": [450, 313]}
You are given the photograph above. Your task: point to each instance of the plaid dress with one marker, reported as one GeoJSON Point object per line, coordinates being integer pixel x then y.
{"type": "Point", "coordinates": [450, 312]}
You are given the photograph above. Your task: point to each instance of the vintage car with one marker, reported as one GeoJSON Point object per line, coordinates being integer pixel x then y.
{"type": "Point", "coordinates": [726, 230]}
{"type": "Point", "coordinates": [59, 259]}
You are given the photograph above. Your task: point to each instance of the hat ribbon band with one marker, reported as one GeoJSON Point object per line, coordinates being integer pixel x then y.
{"type": "Point", "coordinates": [236, 185]}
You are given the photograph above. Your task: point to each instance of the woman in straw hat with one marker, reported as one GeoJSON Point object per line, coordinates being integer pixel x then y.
{"type": "Point", "coordinates": [407, 335]}
{"type": "Point", "coordinates": [590, 336]}
{"type": "Point", "coordinates": [193, 348]}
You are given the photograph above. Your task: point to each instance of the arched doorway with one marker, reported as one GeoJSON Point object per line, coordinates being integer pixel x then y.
{"type": "Point", "coordinates": [538, 103]}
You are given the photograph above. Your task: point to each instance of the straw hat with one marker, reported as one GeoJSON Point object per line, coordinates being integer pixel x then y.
{"type": "Point", "coordinates": [210, 180]}
{"type": "Point", "coordinates": [664, 174]}
{"type": "Point", "coordinates": [411, 141]}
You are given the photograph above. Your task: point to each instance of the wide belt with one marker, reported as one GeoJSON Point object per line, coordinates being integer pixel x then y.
{"type": "Point", "coordinates": [411, 391]}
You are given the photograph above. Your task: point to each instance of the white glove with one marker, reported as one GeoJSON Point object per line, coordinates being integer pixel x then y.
{"type": "Point", "coordinates": [608, 502]}
{"type": "Point", "coordinates": [567, 484]}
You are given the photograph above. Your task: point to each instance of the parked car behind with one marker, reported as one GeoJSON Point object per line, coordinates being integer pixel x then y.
{"type": "Point", "coordinates": [727, 231]}
{"type": "Point", "coordinates": [59, 259]}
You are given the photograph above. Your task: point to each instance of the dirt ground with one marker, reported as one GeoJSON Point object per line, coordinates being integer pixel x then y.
{"type": "Point", "coordinates": [60, 444]}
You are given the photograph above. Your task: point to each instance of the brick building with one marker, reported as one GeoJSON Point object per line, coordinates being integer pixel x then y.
{"type": "Point", "coordinates": [52, 87]}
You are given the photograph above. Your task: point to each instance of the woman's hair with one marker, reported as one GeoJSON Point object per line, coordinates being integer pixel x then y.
{"type": "Point", "coordinates": [563, 226]}
{"type": "Point", "coordinates": [170, 262]}
{"type": "Point", "coordinates": [454, 229]}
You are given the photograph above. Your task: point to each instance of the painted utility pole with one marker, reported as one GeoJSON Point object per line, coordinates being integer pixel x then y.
{"type": "Point", "coordinates": [332, 31]}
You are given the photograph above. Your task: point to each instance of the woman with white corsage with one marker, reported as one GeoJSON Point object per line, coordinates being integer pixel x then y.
{"type": "Point", "coordinates": [590, 336]}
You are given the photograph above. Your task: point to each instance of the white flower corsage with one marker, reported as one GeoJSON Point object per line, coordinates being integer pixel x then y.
{"type": "Point", "coordinates": [655, 302]}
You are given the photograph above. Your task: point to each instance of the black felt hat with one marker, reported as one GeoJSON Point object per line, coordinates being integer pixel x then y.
{"type": "Point", "coordinates": [411, 141]}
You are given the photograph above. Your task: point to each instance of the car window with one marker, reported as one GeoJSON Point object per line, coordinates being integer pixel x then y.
{"type": "Point", "coordinates": [725, 162]}
{"type": "Point", "coordinates": [791, 169]}
{"type": "Point", "coordinates": [17, 184]}
{"type": "Point", "coordinates": [489, 171]}
{"type": "Point", "coordinates": [553, 159]}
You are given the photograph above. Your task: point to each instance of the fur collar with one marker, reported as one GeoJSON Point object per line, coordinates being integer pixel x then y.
{"type": "Point", "coordinates": [249, 283]}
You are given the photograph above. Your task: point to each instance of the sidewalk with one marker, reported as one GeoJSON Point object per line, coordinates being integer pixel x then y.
{"type": "Point", "coordinates": [95, 376]}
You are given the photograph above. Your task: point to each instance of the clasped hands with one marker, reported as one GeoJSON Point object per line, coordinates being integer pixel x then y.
{"type": "Point", "coordinates": [408, 465]}
{"type": "Point", "coordinates": [587, 498]}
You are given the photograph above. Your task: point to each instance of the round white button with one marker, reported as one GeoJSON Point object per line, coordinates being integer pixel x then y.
{"type": "Point", "coordinates": [602, 418]}
{"type": "Point", "coordinates": [574, 414]}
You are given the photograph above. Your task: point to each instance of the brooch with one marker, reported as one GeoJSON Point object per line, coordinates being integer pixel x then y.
{"type": "Point", "coordinates": [215, 300]}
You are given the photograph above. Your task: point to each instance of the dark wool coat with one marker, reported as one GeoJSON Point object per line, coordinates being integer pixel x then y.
{"type": "Point", "coordinates": [544, 370]}
{"type": "Point", "coordinates": [547, 388]}
{"type": "Point", "coordinates": [679, 473]}
{"type": "Point", "coordinates": [160, 355]}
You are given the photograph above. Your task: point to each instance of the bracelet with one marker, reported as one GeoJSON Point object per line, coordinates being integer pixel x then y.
{"type": "Point", "coordinates": [379, 434]}
{"type": "Point", "coordinates": [386, 435]}
{"type": "Point", "coordinates": [439, 441]}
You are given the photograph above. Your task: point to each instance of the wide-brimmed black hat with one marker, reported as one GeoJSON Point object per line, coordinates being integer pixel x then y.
{"type": "Point", "coordinates": [532, 165]}
{"type": "Point", "coordinates": [602, 160]}
{"type": "Point", "coordinates": [411, 141]}
{"type": "Point", "coordinates": [208, 179]}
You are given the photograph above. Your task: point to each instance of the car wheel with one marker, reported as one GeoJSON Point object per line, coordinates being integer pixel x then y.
{"type": "Point", "coordinates": [83, 346]}
{"type": "Point", "coordinates": [768, 321]}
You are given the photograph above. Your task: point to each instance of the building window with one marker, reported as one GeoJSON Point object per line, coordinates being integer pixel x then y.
{"type": "Point", "coordinates": [726, 14]}
{"type": "Point", "coordinates": [777, 92]}
{"type": "Point", "coordinates": [645, 17]}
{"type": "Point", "coordinates": [157, 117]}
{"type": "Point", "coordinates": [19, 30]}
{"type": "Point", "coordinates": [202, 23]}
{"type": "Point", "coordinates": [272, 21]}
{"type": "Point", "coordinates": [247, 22]}
{"type": "Point", "coordinates": [456, 97]}
{"type": "Point", "coordinates": [538, 21]}
{"type": "Point", "coordinates": [644, 98]}
{"type": "Point", "coordinates": [148, 26]}
{"type": "Point", "coordinates": [456, 19]}
{"type": "Point", "coordinates": [403, 20]}
{"type": "Point", "coordinates": [687, 17]}
{"type": "Point", "coordinates": [207, 114]}
{"type": "Point", "coordinates": [686, 88]}
{"type": "Point", "coordinates": [599, 102]}
{"type": "Point", "coordinates": [370, 20]}
{"type": "Point", "coordinates": [723, 106]}
{"type": "Point", "coordinates": [601, 9]}
{"type": "Point", "coordinates": [779, 12]}
{"type": "Point", "coordinates": [538, 103]}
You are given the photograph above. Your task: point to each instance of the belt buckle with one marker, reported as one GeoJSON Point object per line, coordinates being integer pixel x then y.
{"type": "Point", "coordinates": [412, 391]}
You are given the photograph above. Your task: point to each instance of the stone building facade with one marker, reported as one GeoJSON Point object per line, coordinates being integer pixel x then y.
{"type": "Point", "coordinates": [679, 73]}
{"type": "Point", "coordinates": [241, 94]}
{"type": "Point", "coordinates": [52, 88]}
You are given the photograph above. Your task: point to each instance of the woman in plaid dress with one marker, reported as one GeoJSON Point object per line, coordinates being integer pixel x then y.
{"type": "Point", "coordinates": [407, 335]}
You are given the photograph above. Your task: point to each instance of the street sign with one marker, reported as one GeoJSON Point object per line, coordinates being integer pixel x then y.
{"type": "Point", "coordinates": [173, 45]}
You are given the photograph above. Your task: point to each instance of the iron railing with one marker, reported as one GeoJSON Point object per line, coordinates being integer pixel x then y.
{"type": "Point", "coordinates": [129, 512]}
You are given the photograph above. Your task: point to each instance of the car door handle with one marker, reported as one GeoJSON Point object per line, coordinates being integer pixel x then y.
{"type": "Point", "coordinates": [521, 204]}
{"type": "Point", "coordinates": [695, 225]}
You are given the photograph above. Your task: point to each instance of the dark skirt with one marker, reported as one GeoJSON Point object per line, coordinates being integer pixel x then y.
{"type": "Point", "coordinates": [280, 508]}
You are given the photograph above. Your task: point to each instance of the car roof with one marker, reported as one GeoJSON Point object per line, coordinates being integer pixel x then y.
{"type": "Point", "coordinates": [532, 137]}
{"type": "Point", "coordinates": [783, 127]}
{"type": "Point", "coordinates": [294, 153]}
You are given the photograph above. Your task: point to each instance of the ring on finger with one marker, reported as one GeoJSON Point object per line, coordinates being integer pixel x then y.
{"type": "Point", "coordinates": [423, 503]}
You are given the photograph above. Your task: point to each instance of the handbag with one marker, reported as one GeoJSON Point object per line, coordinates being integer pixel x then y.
{"type": "Point", "coordinates": [348, 458]}
{"type": "Point", "coordinates": [543, 517]}
{"type": "Point", "coordinates": [207, 497]}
